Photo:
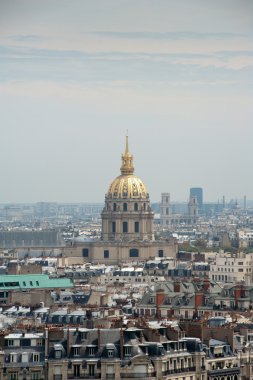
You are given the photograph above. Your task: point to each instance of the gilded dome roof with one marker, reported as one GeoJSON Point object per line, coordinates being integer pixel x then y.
{"type": "Point", "coordinates": [127, 185]}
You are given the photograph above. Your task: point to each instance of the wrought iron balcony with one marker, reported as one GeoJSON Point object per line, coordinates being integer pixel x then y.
{"type": "Point", "coordinates": [224, 371]}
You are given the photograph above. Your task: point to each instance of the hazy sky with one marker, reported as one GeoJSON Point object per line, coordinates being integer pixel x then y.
{"type": "Point", "coordinates": [76, 74]}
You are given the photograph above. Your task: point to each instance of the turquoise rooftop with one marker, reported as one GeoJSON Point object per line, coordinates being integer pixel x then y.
{"type": "Point", "coordinates": [33, 281]}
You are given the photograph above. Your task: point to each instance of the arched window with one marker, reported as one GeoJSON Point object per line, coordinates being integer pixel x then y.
{"type": "Point", "coordinates": [136, 207]}
{"type": "Point", "coordinates": [124, 206]}
{"type": "Point", "coordinates": [134, 252]}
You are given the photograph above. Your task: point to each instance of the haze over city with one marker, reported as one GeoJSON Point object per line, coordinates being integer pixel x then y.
{"type": "Point", "coordinates": [75, 76]}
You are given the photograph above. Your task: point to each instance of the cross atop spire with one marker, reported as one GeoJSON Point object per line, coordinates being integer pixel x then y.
{"type": "Point", "coordinates": [126, 150]}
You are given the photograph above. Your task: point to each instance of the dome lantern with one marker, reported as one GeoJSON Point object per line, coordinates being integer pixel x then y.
{"type": "Point", "coordinates": [127, 185]}
{"type": "Point", "coordinates": [127, 161]}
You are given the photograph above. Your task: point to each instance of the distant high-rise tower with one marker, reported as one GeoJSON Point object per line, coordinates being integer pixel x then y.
{"type": "Point", "coordinates": [198, 193]}
{"type": "Point", "coordinates": [193, 207]}
{"type": "Point", "coordinates": [165, 210]}
{"type": "Point", "coordinates": [224, 202]}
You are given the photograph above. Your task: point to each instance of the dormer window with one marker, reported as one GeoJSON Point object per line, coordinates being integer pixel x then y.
{"type": "Point", "coordinates": [91, 350]}
{"type": "Point", "coordinates": [36, 357]}
{"type": "Point", "coordinates": [127, 350]}
{"type": "Point", "coordinates": [76, 351]}
{"type": "Point", "coordinates": [84, 335]}
{"type": "Point", "coordinates": [58, 354]}
{"type": "Point", "coordinates": [58, 351]}
{"type": "Point", "coordinates": [151, 300]}
{"type": "Point", "coordinates": [110, 353]}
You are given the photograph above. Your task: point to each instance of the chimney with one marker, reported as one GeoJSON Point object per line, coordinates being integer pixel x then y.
{"type": "Point", "coordinates": [159, 301]}
{"type": "Point", "coordinates": [68, 342]}
{"type": "Point", "coordinates": [198, 299]}
{"type": "Point", "coordinates": [206, 284]}
{"type": "Point", "coordinates": [121, 344]}
{"type": "Point", "coordinates": [237, 293]}
{"type": "Point", "coordinates": [99, 338]}
{"type": "Point", "coordinates": [159, 297]}
{"type": "Point", "coordinates": [177, 286]}
{"type": "Point", "coordinates": [46, 343]}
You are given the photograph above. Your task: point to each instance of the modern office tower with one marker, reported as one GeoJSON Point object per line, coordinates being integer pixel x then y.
{"type": "Point", "coordinates": [197, 192]}
{"type": "Point", "coordinates": [165, 210]}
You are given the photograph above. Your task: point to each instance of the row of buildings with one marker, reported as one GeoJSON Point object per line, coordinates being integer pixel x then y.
{"type": "Point", "coordinates": [133, 350]}
{"type": "Point", "coordinates": [126, 304]}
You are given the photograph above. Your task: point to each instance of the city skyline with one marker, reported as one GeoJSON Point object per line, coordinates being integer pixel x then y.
{"type": "Point", "coordinates": [74, 78]}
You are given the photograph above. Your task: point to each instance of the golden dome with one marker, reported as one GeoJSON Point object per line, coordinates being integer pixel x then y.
{"type": "Point", "coordinates": [127, 185]}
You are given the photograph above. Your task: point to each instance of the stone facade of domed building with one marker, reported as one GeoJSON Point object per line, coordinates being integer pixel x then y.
{"type": "Point", "coordinates": [127, 223]}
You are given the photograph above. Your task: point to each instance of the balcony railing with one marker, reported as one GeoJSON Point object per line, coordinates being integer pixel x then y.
{"type": "Point", "coordinates": [57, 377]}
{"type": "Point", "coordinates": [137, 375]}
{"type": "Point", "coordinates": [24, 364]}
{"type": "Point", "coordinates": [178, 370]}
{"type": "Point", "coordinates": [224, 371]}
{"type": "Point", "coordinates": [96, 376]}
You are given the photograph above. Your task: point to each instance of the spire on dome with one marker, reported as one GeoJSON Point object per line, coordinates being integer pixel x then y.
{"type": "Point", "coordinates": [126, 150]}
{"type": "Point", "coordinates": [127, 161]}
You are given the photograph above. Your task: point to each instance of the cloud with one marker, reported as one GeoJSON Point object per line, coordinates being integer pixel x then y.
{"type": "Point", "coordinates": [140, 69]}
{"type": "Point", "coordinates": [171, 35]}
{"type": "Point", "coordinates": [16, 52]}
{"type": "Point", "coordinates": [25, 38]}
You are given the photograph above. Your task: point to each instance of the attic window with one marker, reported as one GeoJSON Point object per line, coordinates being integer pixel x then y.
{"type": "Point", "coordinates": [127, 350]}
{"type": "Point", "coordinates": [110, 353]}
{"type": "Point", "coordinates": [58, 354]}
{"type": "Point", "coordinates": [76, 351]}
{"type": "Point", "coordinates": [91, 351]}
{"type": "Point", "coordinates": [84, 335]}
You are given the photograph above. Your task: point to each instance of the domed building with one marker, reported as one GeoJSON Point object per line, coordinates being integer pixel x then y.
{"type": "Point", "coordinates": [127, 214]}
{"type": "Point", "coordinates": [127, 223]}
